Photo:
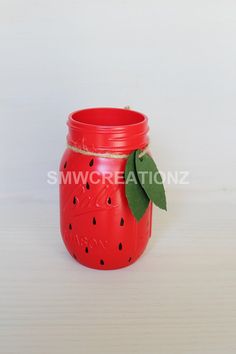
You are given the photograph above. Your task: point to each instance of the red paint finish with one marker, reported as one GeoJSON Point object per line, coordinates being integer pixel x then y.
{"type": "Point", "coordinates": [97, 225]}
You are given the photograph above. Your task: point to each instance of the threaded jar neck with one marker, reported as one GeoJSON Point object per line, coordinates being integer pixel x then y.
{"type": "Point", "coordinates": [102, 130]}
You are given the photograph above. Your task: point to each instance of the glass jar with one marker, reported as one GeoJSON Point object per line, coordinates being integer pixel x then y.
{"type": "Point", "coordinates": [97, 225]}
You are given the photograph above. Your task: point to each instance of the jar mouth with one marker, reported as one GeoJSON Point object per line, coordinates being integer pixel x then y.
{"type": "Point", "coordinates": [106, 129]}
{"type": "Point", "coordinates": [106, 117]}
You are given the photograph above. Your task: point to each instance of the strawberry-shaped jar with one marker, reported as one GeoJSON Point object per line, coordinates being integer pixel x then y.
{"type": "Point", "coordinates": [97, 225]}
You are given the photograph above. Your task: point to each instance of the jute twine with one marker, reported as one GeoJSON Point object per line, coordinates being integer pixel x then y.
{"type": "Point", "coordinates": [107, 155]}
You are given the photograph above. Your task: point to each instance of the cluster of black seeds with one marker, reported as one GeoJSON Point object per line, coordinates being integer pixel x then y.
{"type": "Point", "coordinates": [94, 221]}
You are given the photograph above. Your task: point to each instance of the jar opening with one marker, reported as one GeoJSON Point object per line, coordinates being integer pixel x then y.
{"type": "Point", "coordinates": [107, 117]}
{"type": "Point", "coordinates": [108, 130]}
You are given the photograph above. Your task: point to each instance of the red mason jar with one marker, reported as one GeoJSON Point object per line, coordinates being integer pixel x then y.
{"type": "Point", "coordinates": [97, 225]}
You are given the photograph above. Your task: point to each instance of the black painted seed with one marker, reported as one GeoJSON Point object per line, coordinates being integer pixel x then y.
{"type": "Point", "coordinates": [129, 259]}
{"type": "Point", "coordinates": [109, 200]}
{"type": "Point", "coordinates": [94, 221]}
{"type": "Point", "coordinates": [102, 262]}
{"type": "Point", "coordinates": [65, 164]}
{"type": "Point", "coordinates": [91, 163]}
{"type": "Point", "coordinates": [122, 221]}
{"type": "Point", "coordinates": [87, 185]}
{"type": "Point", "coordinates": [86, 249]}
{"type": "Point", "coordinates": [123, 175]}
{"type": "Point", "coordinates": [74, 200]}
{"type": "Point", "coordinates": [120, 246]}
{"type": "Point", "coordinates": [70, 226]}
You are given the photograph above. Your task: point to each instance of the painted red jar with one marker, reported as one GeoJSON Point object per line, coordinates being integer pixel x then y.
{"type": "Point", "coordinates": [97, 225]}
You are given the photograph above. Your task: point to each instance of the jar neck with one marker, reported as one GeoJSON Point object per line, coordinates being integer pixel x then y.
{"type": "Point", "coordinates": [104, 130]}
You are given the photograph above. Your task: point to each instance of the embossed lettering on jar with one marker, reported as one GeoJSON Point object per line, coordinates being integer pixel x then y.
{"type": "Point", "coordinates": [97, 225]}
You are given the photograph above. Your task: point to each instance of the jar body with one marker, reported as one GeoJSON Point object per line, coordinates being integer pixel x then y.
{"type": "Point", "coordinates": [97, 225]}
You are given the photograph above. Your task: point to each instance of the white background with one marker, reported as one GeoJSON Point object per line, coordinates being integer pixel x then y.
{"type": "Point", "coordinates": [175, 62]}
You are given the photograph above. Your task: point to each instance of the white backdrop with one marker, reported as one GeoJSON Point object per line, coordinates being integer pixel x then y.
{"type": "Point", "coordinates": [175, 61]}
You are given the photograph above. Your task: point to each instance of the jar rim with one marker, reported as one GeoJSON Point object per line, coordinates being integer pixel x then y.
{"type": "Point", "coordinates": [106, 118]}
{"type": "Point", "coordinates": [89, 130]}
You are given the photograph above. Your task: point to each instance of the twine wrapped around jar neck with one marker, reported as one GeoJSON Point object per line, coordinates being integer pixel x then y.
{"type": "Point", "coordinates": [105, 155]}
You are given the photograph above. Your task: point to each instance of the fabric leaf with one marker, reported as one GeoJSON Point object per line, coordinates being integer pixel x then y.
{"type": "Point", "coordinates": [137, 198]}
{"type": "Point", "coordinates": [150, 179]}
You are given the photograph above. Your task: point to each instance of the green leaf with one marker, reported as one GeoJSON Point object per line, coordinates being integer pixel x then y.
{"type": "Point", "coordinates": [150, 179]}
{"type": "Point", "coordinates": [137, 198]}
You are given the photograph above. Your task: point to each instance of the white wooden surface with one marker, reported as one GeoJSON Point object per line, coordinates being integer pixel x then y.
{"type": "Point", "coordinates": [178, 298]}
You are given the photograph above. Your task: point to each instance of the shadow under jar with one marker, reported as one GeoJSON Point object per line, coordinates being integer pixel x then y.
{"type": "Point", "coordinates": [97, 225]}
